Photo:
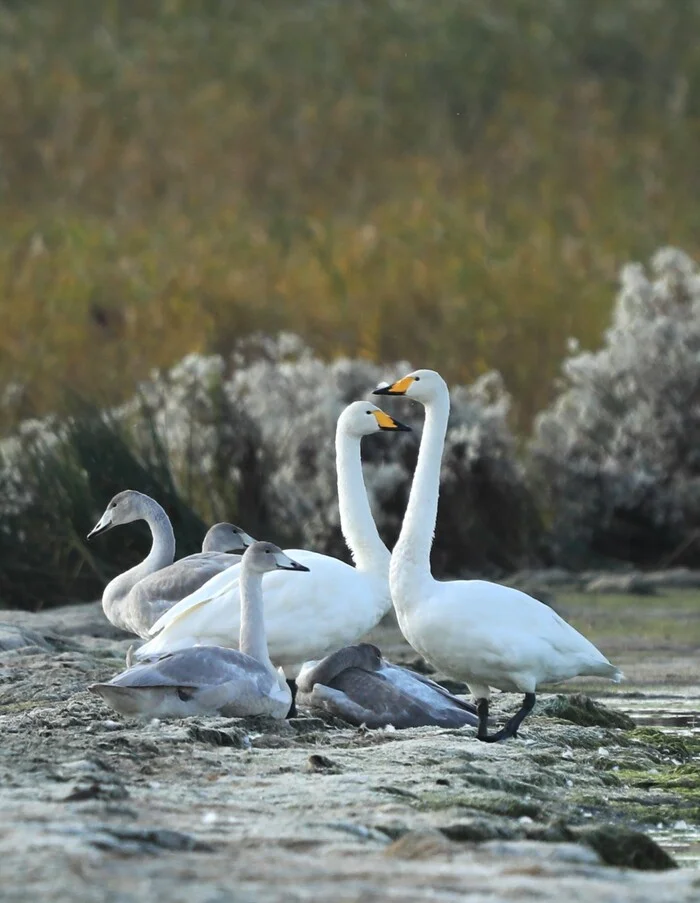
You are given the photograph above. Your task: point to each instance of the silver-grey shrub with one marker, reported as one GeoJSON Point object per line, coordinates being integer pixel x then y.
{"type": "Point", "coordinates": [251, 439]}
{"type": "Point", "coordinates": [284, 402]}
{"type": "Point", "coordinates": [618, 453]}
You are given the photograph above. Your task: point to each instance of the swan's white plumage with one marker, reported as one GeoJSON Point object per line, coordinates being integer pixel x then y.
{"type": "Point", "coordinates": [333, 601]}
{"type": "Point", "coordinates": [309, 615]}
{"type": "Point", "coordinates": [483, 633]}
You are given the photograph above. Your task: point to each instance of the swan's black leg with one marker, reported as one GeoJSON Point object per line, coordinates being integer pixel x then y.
{"type": "Point", "coordinates": [482, 732]}
{"type": "Point", "coordinates": [511, 728]}
{"type": "Point", "coordinates": [292, 713]}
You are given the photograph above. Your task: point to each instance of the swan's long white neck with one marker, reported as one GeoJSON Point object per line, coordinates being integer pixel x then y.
{"type": "Point", "coordinates": [359, 530]}
{"type": "Point", "coordinates": [409, 573]}
{"type": "Point", "coordinates": [161, 555]}
{"type": "Point", "coordinates": [252, 640]}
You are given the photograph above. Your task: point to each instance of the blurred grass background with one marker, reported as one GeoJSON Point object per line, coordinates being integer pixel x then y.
{"type": "Point", "coordinates": [455, 182]}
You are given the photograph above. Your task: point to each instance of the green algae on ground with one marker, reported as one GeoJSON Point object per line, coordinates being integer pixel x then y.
{"type": "Point", "coordinates": [495, 802]}
{"type": "Point", "coordinates": [669, 744]}
{"type": "Point", "coordinates": [584, 711]}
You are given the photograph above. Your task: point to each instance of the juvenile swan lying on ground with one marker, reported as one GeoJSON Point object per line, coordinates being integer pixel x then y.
{"type": "Point", "coordinates": [483, 633]}
{"type": "Point", "coordinates": [359, 686]}
{"type": "Point", "coordinates": [308, 617]}
{"type": "Point", "coordinates": [136, 599]}
{"type": "Point", "coordinates": [207, 679]}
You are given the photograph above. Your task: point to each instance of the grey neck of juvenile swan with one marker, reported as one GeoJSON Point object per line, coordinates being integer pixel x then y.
{"type": "Point", "coordinates": [161, 555]}
{"type": "Point", "coordinates": [252, 640]}
{"type": "Point", "coordinates": [409, 573]}
{"type": "Point", "coordinates": [356, 521]}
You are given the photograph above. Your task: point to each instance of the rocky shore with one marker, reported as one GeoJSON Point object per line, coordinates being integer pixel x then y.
{"type": "Point", "coordinates": [97, 807]}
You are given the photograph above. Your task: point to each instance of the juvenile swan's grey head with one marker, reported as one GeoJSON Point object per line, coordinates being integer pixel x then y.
{"type": "Point", "coordinates": [266, 556]}
{"type": "Point", "coordinates": [124, 508]}
{"type": "Point", "coordinates": [226, 538]}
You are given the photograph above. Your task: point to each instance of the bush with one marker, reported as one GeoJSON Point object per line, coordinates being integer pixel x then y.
{"type": "Point", "coordinates": [618, 453]}
{"type": "Point", "coordinates": [251, 440]}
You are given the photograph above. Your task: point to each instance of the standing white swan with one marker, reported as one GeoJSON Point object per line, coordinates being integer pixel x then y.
{"type": "Point", "coordinates": [483, 633]}
{"type": "Point", "coordinates": [309, 616]}
{"type": "Point", "coordinates": [207, 679]}
{"type": "Point", "coordinates": [139, 596]}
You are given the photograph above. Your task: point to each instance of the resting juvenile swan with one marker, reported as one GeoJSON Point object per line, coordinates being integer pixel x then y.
{"type": "Point", "coordinates": [305, 617]}
{"type": "Point", "coordinates": [139, 596]}
{"type": "Point", "coordinates": [359, 686]}
{"type": "Point", "coordinates": [483, 633]}
{"type": "Point", "coordinates": [207, 679]}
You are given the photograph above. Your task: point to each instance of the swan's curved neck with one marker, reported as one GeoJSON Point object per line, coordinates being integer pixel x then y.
{"type": "Point", "coordinates": [252, 640]}
{"type": "Point", "coordinates": [161, 555]}
{"type": "Point", "coordinates": [359, 530]}
{"type": "Point", "coordinates": [410, 560]}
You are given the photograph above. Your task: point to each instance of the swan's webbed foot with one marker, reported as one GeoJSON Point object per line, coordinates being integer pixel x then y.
{"type": "Point", "coordinates": [511, 727]}
{"type": "Point", "coordinates": [292, 713]}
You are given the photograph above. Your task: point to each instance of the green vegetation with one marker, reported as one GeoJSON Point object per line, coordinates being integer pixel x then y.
{"type": "Point", "coordinates": [451, 182]}
{"type": "Point", "coordinates": [671, 619]}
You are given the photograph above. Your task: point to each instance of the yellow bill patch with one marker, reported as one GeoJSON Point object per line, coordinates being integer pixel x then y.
{"type": "Point", "coordinates": [384, 420]}
{"type": "Point", "coordinates": [402, 385]}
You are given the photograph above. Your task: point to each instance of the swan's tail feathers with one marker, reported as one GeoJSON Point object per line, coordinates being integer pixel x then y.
{"type": "Point", "coordinates": [606, 669]}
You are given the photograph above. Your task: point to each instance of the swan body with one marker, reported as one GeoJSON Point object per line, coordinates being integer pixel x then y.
{"type": "Point", "coordinates": [204, 680]}
{"type": "Point", "coordinates": [358, 685]}
{"type": "Point", "coordinates": [309, 615]}
{"type": "Point", "coordinates": [137, 598]}
{"type": "Point", "coordinates": [483, 633]}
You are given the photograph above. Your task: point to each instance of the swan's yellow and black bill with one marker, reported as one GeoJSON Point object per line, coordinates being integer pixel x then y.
{"type": "Point", "coordinates": [388, 423]}
{"type": "Point", "coordinates": [400, 387]}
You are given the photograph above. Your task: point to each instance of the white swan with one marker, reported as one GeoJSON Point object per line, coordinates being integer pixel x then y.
{"type": "Point", "coordinates": [139, 596]}
{"type": "Point", "coordinates": [358, 685]}
{"type": "Point", "coordinates": [203, 680]}
{"type": "Point", "coordinates": [483, 633]}
{"type": "Point", "coordinates": [308, 616]}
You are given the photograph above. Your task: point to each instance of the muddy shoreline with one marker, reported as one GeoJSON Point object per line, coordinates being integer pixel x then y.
{"type": "Point", "coordinates": [98, 807]}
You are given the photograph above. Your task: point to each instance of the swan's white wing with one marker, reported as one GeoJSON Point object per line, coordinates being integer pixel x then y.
{"type": "Point", "coordinates": [307, 615]}
{"type": "Point", "coordinates": [219, 583]}
{"type": "Point", "coordinates": [492, 634]}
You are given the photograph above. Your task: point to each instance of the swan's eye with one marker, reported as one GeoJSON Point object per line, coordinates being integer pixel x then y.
{"type": "Point", "coordinates": [369, 412]}
{"type": "Point", "coordinates": [416, 379]}
{"type": "Point", "coordinates": [267, 551]}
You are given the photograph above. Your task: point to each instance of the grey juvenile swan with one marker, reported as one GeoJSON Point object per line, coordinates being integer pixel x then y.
{"type": "Point", "coordinates": [204, 680]}
{"type": "Point", "coordinates": [358, 685]}
{"type": "Point", "coordinates": [136, 599]}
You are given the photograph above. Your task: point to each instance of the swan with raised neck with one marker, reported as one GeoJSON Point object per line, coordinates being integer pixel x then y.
{"type": "Point", "coordinates": [484, 633]}
{"type": "Point", "coordinates": [310, 616]}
